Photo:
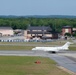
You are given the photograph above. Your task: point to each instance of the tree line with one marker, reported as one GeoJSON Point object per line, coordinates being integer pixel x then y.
{"type": "Point", "coordinates": [23, 23]}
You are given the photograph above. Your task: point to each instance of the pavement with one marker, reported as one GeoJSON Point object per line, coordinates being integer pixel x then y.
{"type": "Point", "coordinates": [66, 59]}
{"type": "Point", "coordinates": [64, 62]}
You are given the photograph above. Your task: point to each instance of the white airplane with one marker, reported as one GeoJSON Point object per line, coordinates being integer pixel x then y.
{"type": "Point", "coordinates": [54, 49]}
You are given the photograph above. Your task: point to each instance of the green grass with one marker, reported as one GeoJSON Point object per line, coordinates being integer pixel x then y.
{"type": "Point", "coordinates": [13, 65]}
{"type": "Point", "coordinates": [30, 45]}
{"type": "Point", "coordinates": [6, 47]}
{"type": "Point", "coordinates": [72, 48]}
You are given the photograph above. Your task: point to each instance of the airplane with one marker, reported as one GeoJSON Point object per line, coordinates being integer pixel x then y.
{"type": "Point", "coordinates": [54, 49]}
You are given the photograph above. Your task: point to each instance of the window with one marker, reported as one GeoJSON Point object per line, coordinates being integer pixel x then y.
{"type": "Point", "coordinates": [66, 30]}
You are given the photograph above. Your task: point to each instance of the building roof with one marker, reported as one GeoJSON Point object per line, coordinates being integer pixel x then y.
{"type": "Point", "coordinates": [67, 26]}
{"type": "Point", "coordinates": [31, 32]}
{"type": "Point", "coordinates": [5, 28]}
{"type": "Point", "coordinates": [39, 28]}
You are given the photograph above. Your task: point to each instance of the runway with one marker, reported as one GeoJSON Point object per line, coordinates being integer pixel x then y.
{"type": "Point", "coordinates": [63, 58]}
{"type": "Point", "coordinates": [23, 53]}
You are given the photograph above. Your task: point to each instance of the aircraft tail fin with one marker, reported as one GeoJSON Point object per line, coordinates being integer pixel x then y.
{"type": "Point", "coordinates": [66, 45]}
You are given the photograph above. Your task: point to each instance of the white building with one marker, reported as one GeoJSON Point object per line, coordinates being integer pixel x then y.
{"type": "Point", "coordinates": [6, 31]}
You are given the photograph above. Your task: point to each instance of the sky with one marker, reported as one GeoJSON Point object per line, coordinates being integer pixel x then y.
{"type": "Point", "coordinates": [37, 7]}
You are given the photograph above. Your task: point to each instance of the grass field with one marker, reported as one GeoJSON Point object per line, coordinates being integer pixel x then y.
{"type": "Point", "coordinates": [5, 47]}
{"type": "Point", "coordinates": [30, 45]}
{"type": "Point", "coordinates": [14, 65]}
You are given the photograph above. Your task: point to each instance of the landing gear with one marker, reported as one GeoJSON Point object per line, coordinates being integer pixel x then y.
{"type": "Point", "coordinates": [53, 52]}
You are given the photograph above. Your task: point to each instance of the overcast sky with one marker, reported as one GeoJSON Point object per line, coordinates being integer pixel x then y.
{"type": "Point", "coordinates": [37, 7]}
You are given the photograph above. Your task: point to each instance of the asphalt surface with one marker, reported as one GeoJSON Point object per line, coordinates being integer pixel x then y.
{"type": "Point", "coordinates": [64, 62]}
{"type": "Point", "coordinates": [66, 59]}
{"type": "Point", "coordinates": [23, 53]}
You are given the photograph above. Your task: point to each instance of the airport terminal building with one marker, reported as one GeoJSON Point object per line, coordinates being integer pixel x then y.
{"type": "Point", "coordinates": [42, 32]}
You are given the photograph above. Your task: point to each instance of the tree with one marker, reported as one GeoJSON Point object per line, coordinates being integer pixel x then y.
{"type": "Point", "coordinates": [74, 34]}
{"type": "Point", "coordinates": [67, 34]}
{"type": "Point", "coordinates": [22, 23]}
